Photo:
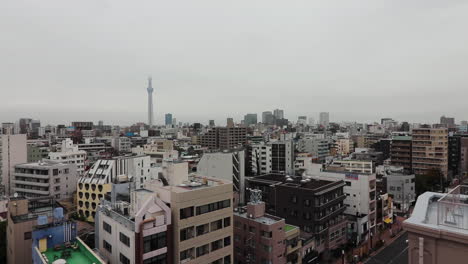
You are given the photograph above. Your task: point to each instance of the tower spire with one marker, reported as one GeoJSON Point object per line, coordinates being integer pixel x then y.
{"type": "Point", "coordinates": [150, 101]}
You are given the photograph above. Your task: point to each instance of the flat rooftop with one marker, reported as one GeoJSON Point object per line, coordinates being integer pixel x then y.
{"type": "Point", "coordinates": [292, 181]}
{"type": "Point", "coordinates": [80, 255]}
{"type": "Point", "coordinates": [445, 212]}
{"type": "Point", "coordinates": [266, 219]}
{"type": "Point", "coordinates": [197, 182]}
{"type": "Point", "coordinates": [42, 164]}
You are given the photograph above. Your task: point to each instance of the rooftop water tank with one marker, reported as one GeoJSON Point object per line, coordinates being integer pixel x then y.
{"type": "Point", "coordinates": [42, 220]}
{"type": "Point", "coordinates": [58, 213]}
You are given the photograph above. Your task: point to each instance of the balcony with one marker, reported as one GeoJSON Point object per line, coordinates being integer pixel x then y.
{"type": "Point", "coordinates": [37, 176]}
{"type": "Point", "coordinates": [332, 201]}
{"type": "Point", "coordinates": [40, 184]}
{"type": "Point", "coordinates": [31, 191]}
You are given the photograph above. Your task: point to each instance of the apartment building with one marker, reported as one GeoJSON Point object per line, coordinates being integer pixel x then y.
{"type": "Point", "coordinates": [99, 179]}
{"type": "Point", "coordinates": [438, 228]}
{"type": "Point", "coordinates": [401, 152]}
{"type": "Point", "coordinates": [430, 150]}
{"type": "Point", "coordinates": [202, 215]}
{"type": "Point", "coordinates": [263, 238]}
{"type": "Point", "coordinates": [135, 231]}
{"type": "Point", "coordinates": [344, 146]}
{"type": "Point", "coordinates": [258, 159]}
{"type": "Point", "coordinates": [69, 153]}
{"type": "Point", "coordinates": [228, 165]}
{"type": "Point", "coordinates": [360, 202]}
{"type": "Point", "coordinates": [13, 151]}
{"type": "Point", "coordinates": [224, 137]}
{"type": "Point", "coordinates": [45, 178]}
{"type": "Point", "coordinates": [121, 144]}
{"type": "Point", "coordinates": [37, 152]}
{"type": "Point", "coordinates": [315, 206]}
{"type": "Point", "coordinates": [158, 149]}
{"type": "Point", "coordinates": [315, 144]}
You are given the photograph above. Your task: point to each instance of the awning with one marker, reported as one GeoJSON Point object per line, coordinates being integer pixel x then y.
{"type": "Point", "coordinates": [387, 220]}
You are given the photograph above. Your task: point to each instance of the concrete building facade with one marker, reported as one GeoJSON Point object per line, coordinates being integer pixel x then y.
{"type": "Point", "coordinates": [13, 151]}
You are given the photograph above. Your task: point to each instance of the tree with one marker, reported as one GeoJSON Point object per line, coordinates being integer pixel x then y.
{"type": "Point", "coordinates": [432, 180]}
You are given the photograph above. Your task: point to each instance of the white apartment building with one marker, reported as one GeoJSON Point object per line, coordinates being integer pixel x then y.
{"type": "Point", "coordinates": [360, 202]}
{"type": "Point", "coordinates": [69, 153]}
{"type": "Point", "coordinates": [227, 165]}
{"type": "Point", "coordinates": [261, 158]}
{"type": "Point", "coordinates": [121, 144]}
{"type": "Point", "coordinates": [13, 151]}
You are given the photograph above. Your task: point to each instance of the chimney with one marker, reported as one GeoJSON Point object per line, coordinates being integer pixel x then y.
{"type": "Point", "coordinates": [255, 210]}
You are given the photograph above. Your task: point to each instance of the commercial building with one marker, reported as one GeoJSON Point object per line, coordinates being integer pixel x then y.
{"type": "Point", "coordinates": [448, 122]}
{"type": "Point", "coordinates": [438, 228]}
{"type": "Point", "coordinates": [13, 151]}
{"type": "Point", "coordinates": [121, 144]}
{"type": "Point", "coordinates": [134, 231]}
{"type": "Point", "coordinates": [401, 187]}
{"type": "Point", "coordinates": [263, 238]}
{"type": "Point", "coordinates": [202, 215]}
{"type": "Point", "coordinates": [315, 144]}
{"type": "Point", "coordinates": [315, 206]}
{"type": "Point", "coordinates": [224, 137]}
{"type": "Point", "coordinates": [45, 178]}
{"type": "Point", "coordinates": [268, 118]}
{"type": "Point", "coordinates": [278, 113]}
{"type": "Point", "coordinates": [22, 218]}
{"type": "Point", "coordinates": [324, 119]}
{"type": "Point", "coordinates": [430, 150]}
{"type": "Point", "coordinates": [282, 156]}
{"type": "Point", "coordinates": [401, 152]}
{"type": "Point", "coordinates": [168, 119]}
{"type": "Point", "coordinates": [228, 165]}
{"type": "Point", "coordinates": [69, 153]}
{"type": "Point", "coordinates": [250, 119]}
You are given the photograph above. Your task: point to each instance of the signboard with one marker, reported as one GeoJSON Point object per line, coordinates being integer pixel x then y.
{"type": "Point", "coordinates": [352, 176]}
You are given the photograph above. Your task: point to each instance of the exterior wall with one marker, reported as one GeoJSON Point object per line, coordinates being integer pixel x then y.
{"type": "Point", "coordinates": [13, 151]}
{"type": "Point", "coordinates": [36, 153]}
{"type": "Point", "coordinates": [17, 244]}
{"type": "Point", "coordinates": [89, 196]}
{"type": "Point", "coordinates": [282, 156]}
{"type": "Point", "coordinates": [430, 150]}
{"type": "Point", "coordinates": [70, 154]}
{"type": "Point", "coordinates": [401, 153]}
{"type": "Point", "coordinates": [402, 189]}
{"type": "Point", "coordinates": [228, 166]}
{"type": "Point", "coordinates": [464, 155]}
{"type": "Point", "coordinates": [114, 239]}
{"type": "Point", "coordinates": [196, 198]}
{"type": "Point", "coordinates": [255, 247]}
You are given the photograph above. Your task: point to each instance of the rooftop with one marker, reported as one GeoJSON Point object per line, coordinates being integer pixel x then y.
{"type": "Point", "coordinates": [444, 212]}
{"type": "Point", "coordinates": [197, 182]}
{"type": "Point", "coordinates": [293, 181]}
{"type": "Point", "coordinates": [80, 255]}
{"type": "Point", "coordinates": [43, 164]}
{"type": "Point", "coordinates": [266, 219]}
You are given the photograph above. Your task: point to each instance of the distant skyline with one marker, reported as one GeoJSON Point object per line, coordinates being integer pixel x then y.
{"type": "Point", "coordinates": [360, 61]}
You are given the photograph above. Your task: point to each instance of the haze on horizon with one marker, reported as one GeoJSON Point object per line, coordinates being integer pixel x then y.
{"type": "Point", "coordinates": [359, 60]}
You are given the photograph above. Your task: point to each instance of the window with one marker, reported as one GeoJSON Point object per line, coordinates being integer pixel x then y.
{"type": "Point", "coordinates": [215, 245]}
{"type": "Point", "coordinates": [107, 227]}
{"type": "Point", "coordinates": [187, 233]}
{"type": "Point", "coordinates": [227, 222]}
{"type": "Point", "coordinates": [227, 259]}
{"type": "Point", "coordinates": [213, 207]}
{"type": "Point", "coordinates": [154, 242]}
{"type": "Point", "coordinates": [307, 202]}
{"type": "Point", "coordinates": [124, 259]}
{"type": "Point", "coordinates": [216, 225]}
{"type": "Point", "coordinates": [186, 212]}
{"type": "Point", "coordinates": [203, 250]}
{"type": "Point", "coordinates": [27, 235]}
{"type": "Point", "coordinates": [267, 234]}
{"type": "Point", "coordinates": [160, 259]}
{"type": "Point", "coordinates": [227, 241]}
{"type": "Point", "coordinates": [251, 229]}
{"type": "Point", "coordinates": [348, 183]}
{"type": "Point", "coordinates": [202, 229]}
{"type": "Point", "coordinates": [186, 254]}
{"type": "Point", "coordinates": [107, 246]}
{"type": "Point", "coordinates": [55, 172]}
{"type": "Point", "coordinates": [125, 239]}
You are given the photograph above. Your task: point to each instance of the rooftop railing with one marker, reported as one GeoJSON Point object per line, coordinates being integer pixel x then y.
{"type": "Point", "coordinates": [452, 208]}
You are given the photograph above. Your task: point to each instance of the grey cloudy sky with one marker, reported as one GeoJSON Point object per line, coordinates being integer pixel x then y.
{"type": "Point", "coordinates": [360, 60]}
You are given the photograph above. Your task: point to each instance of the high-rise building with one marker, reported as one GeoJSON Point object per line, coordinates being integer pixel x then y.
{"type": "Point", "coordinates": [150, 102]}
{"type": "Point", "coordinates": [230, 122]}
{"type": "Point", "coordinates": [282, 156]}
{"type": "Point", "coordinates": [211, 123]}
{"type": "Point", "coordinates": [278, 113]}
{"type": "Point", "coordinates": [202, 217]}
{"type": "Point", "coordinates": [24, 125]}
{"type": "Point", "coordinates": [250, 119]}
{"type": "Point", "coordinates": [268, 118]}
{"type": "Point", "coordinates": [448, 122]}
{"type": "Point", "coordinates": [324, 119]}
{"type": "Point", "coordinates": [430, 150]}
{"type": "Point", "coordinates": [168, 119]}
{"type": "Point", "coordinates": [224, 137]}
{"type": "Point", "coordinates": [13, 151]}
{"type": "Point", "coordinates": [45, 178]}
{"type": "Point", "coordinates": [401, 152]}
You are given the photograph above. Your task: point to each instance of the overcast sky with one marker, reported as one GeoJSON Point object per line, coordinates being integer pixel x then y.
{"type": "Point", "coordinates": [359, 60]}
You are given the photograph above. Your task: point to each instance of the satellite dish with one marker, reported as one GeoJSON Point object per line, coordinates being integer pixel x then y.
{"type": "Point", "coordinates": [15, 195]}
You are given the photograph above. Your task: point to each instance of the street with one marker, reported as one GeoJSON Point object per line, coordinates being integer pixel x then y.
{"type": "Point", "coordinates": [396, 253]}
